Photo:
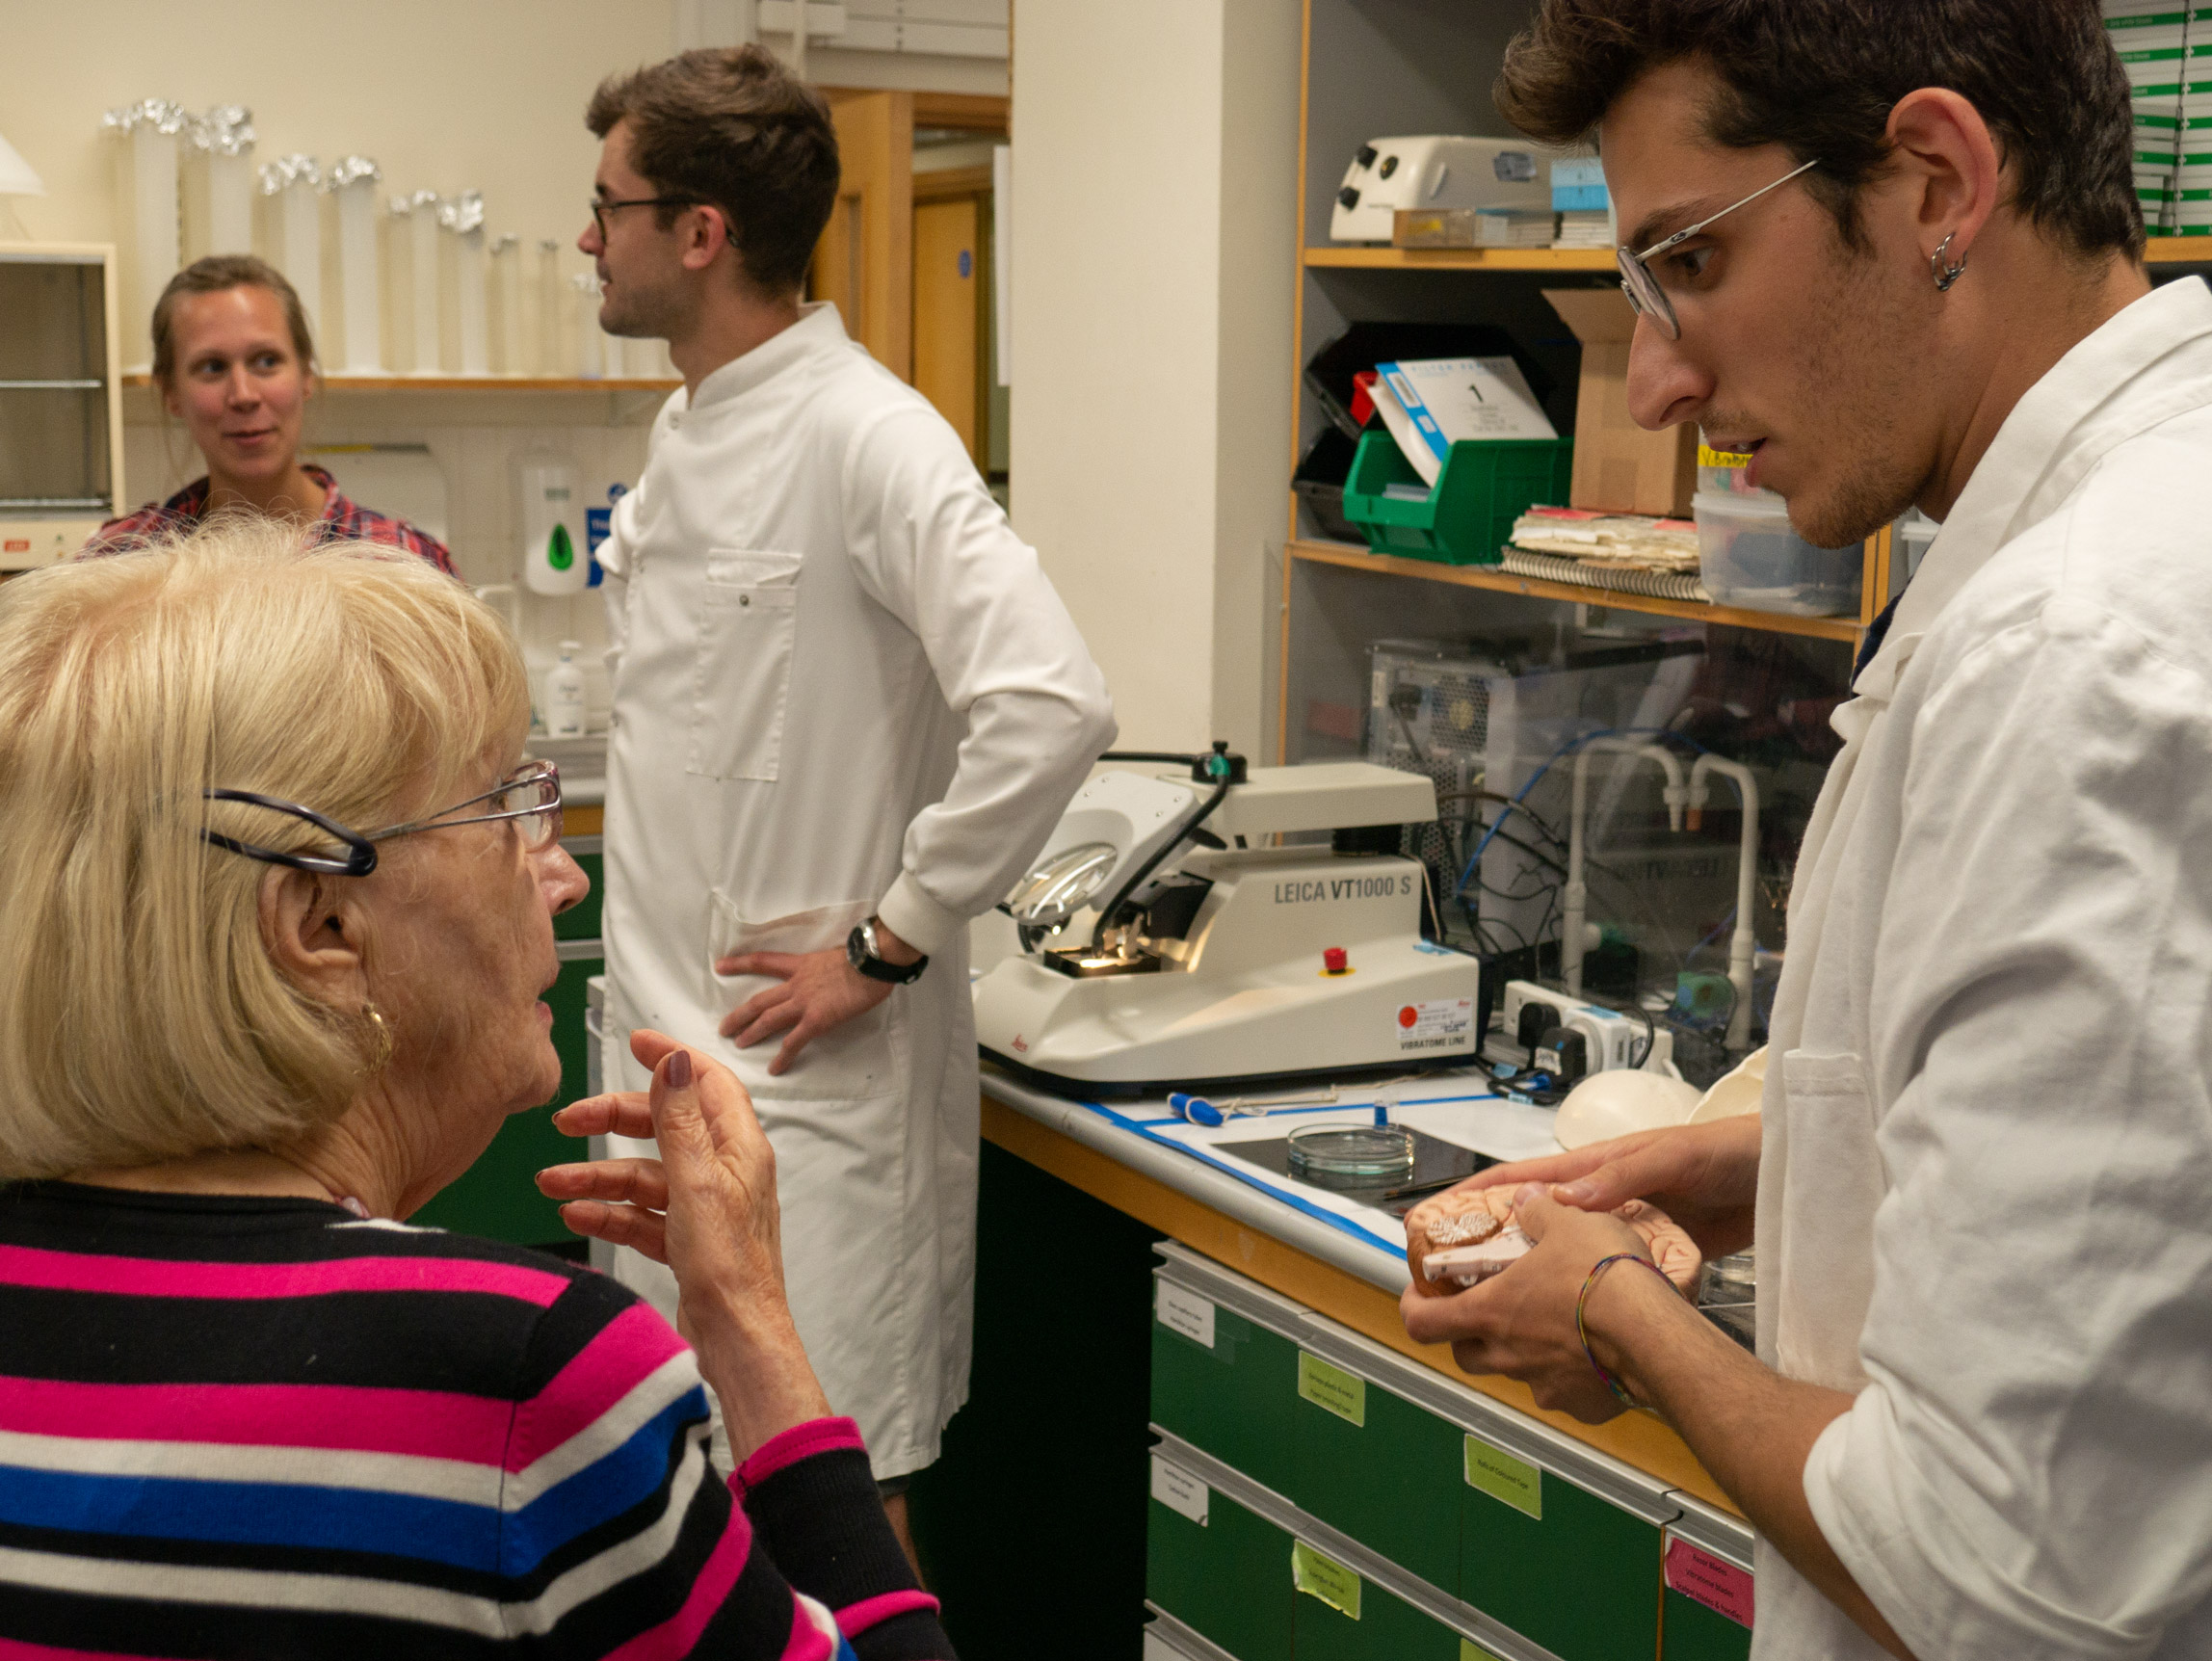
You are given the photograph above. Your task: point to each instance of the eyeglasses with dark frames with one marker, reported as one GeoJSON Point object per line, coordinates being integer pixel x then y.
{"type": "Point", "coordinates": [601, 208]}
{"type": "Point", "coordinates": [1642, 288]}
{"type": "Point", "coordinates": [530, 796]}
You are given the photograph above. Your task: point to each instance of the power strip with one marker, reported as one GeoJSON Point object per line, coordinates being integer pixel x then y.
{"type": "Point", "coordinates": [1612, 1039]}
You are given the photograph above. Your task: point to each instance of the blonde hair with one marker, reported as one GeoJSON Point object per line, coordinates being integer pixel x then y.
{"type": "Point", "coordinates": [140, 1016]}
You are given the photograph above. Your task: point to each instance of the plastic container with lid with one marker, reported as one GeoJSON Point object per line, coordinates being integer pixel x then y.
{"type": "Point", "coordinates": [1725, 470]}
{"type": "Point", "coordinates": [1749, 557]}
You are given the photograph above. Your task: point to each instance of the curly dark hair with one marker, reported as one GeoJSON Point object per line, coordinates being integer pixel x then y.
{"type": "Point", "coordinates": [735, 129]}
{"type": "Point", "coordinates": [1819, 77]}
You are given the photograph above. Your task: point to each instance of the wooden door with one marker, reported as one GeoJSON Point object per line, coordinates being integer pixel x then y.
{"type": "Point", "coordinates": [864, 261]}
{"type": "Point", "coordinates": [948, 285]}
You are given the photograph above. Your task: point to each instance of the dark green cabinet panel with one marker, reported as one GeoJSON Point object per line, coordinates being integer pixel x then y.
{"type": "Point", "coordinates": [1226, 1578]}
{"type": "Point", "coordinates": [1232, 1400]}
{"type": "Point", "coordinates": [1582, 1580]}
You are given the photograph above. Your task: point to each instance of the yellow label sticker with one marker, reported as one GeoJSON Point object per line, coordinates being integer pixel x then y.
{"type": "Point", "coordinates": [1503, 1477]}
{"type": "Point", "coordinates": [1470, 1651]}
{"type": "Point", "coordinates": [1324, 1577]}
{"type": "Point", "coordinates": [1708, 457]}
{"type": "Point", "coordinates": [1333, 1388]}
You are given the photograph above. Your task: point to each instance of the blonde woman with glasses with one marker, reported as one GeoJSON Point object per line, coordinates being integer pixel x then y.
{"type": "Point", "coordinates": [279, 896]}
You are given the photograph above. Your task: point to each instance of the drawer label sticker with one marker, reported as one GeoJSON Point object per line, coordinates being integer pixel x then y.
{"type": "Point", "coordinates": [1332, 1388]}
{"type": "Point", "coordinates": [1721, 1587]}
{"type": "Point", "coordinates": [1470, 1651]}
{"type": "Point", "coordinates": [1186, 1312]}
{"type": "Point", "coordinates": [1179, 1490]}
{"type": "Point", "coordinates": [1435, 1024]}
{"type": "Point", "coordinates": [1503, 1477]}
{"type": "Point", "coordinates": [1321, 1577]}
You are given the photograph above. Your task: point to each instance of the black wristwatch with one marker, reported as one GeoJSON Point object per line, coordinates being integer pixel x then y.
{"type": "Point", "coordinates": [861, 953]}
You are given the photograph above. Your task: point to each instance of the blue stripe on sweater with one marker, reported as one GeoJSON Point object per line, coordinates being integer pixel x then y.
{"type": "Point", "coordinates": [443, 1531]}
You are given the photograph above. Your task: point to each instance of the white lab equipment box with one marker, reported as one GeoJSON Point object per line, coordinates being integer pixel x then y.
{"type": "Point", "coordinates": [1437, 170]}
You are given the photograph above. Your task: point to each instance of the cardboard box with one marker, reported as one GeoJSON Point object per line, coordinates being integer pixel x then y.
{"type": "Point", "coordinates": [1619, 467]}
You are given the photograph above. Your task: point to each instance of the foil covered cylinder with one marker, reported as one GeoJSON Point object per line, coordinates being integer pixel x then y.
{"type": "Point", "coordinates": [148, 208]}
{"type": "Point", "coordinates": [507, 339]}
{"type": "Point", "coordinates": [292, 228]}
{"type": "Point", "coordinates": [422, 267]}
{"type": "Point", "coordinates": [352, 187]}
{"type": "Point", "coordinates": [551, 350]}
{"type": "Point", "coordinates": [590, 348]}
{"type": "Point", "coordinates": [466, 280]}
{"type": "Point", "coordinates": [218, 182]}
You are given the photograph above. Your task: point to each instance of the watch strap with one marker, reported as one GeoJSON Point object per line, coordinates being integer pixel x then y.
{"type": "Point", "coordinates": [861, 950]}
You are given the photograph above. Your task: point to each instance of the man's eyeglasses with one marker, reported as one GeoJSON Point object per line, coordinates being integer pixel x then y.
{"type": "Point", "coordinates": [601, 208]}
{"type": "Point", "coordinates": [530, 796]}
{"type": "Point", "coordinates": [1642, 288]}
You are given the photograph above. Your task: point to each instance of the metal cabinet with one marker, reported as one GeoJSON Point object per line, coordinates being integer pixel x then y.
{"type": "Point", "coordinates": [61, 409]}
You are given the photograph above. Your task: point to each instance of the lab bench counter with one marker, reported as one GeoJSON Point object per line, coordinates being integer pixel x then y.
{"type": "Point", "coordinates": [1316, 1265]}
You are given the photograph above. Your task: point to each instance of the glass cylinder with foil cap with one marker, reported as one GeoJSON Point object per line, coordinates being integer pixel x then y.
{"type": "Point", "coordinates": [218, 178]}
{"type": "Point", "coordinates": [590, 349]}
{"type": "Point", "coordinates": [352, 187]}
{"type": "Point", "coordinates": [148, 210]}
{"type": "Point", "coordinates": [549, 340]}
{"type": "Point", "coordinates": [462, 280]}
{"type": "Point", "coordinates": [292, 228]}
{"type": "Point", "coordinates": [506, 305]}
{"type": "Point", "coordinates": [422, 284]}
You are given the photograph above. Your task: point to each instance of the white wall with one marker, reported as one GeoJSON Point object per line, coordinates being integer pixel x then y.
{"type": "Point", "coordinates": [1154, 235]}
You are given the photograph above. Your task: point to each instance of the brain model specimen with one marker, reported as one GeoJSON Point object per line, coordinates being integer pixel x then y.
{"type": "Point", "coordinates": [1469, 1234]}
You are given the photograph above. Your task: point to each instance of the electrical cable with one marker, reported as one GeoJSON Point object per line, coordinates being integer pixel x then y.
{"type": "Point", "coordinates": [1166, 755]}
{"type": "Point", "coordinates": [1130, 884]}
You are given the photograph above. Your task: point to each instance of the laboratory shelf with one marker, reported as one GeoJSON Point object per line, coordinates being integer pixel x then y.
{"type": "Point", "coordinates": [1367, 257]}
{"type": "Point", "coordinates": [1351, 557]}
{"type": "Point", "coordinates": [473, 383]}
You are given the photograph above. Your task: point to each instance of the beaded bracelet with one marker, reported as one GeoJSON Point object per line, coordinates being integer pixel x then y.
{"type": "Point", "coordinates": [1581, 1332]}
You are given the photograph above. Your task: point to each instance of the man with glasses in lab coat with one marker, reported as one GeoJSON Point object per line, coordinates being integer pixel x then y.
{"type": "Point", "coordinates": [848, 709]}
{"type": "Point", "coordinates": [1895, 253]}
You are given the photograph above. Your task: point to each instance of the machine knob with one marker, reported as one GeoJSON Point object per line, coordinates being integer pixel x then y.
{"type": "Point", "coordinates": [1334, 963]}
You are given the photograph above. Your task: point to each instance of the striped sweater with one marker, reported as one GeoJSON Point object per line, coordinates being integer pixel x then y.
{"type": "Point", "coordinates": [257, 1427]}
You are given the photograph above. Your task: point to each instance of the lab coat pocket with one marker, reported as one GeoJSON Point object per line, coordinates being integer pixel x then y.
{"type": "Point", "coordinates": [863, 1058]}
{"type": "Point", "coordinates": [1834, 1185]}
{"type": "Point", "coordinates": [748, 623]}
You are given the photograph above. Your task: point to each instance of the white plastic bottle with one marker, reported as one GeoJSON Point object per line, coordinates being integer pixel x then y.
{"type": "Point", "coordinates": [564, 694]}
{"type": "Point", "coordinates": [553, 557]}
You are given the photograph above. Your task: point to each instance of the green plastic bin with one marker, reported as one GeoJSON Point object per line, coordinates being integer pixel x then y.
{"type": "Point", "coordinates": [1467, 517]}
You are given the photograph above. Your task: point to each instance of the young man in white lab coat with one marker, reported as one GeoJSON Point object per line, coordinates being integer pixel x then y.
{"type": "Point", "coordinates": [1980, 1424]}
{"type": "Point", "coordinates": [848, 708]}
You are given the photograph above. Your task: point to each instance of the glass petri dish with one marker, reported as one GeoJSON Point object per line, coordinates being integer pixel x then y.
{"type": "Point", "coordinates": [1351, 1154]}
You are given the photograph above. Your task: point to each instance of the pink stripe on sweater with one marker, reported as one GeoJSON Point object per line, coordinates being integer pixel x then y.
{"type": "Point", "coordinates": [788, 1447]}
{"type": "Point", "coordinates": [16, 1649]}
{"type": "Point", "coordinates": [166, 1277]}
{"type": "Point", "coordinates": [613, 1365]}
{"type": "Point", "coordinates": [429, 1424]}
{"type": "Point", "coordinates": [679, 1633]}
{"type": "Point", "coordinates": [855, 1619]}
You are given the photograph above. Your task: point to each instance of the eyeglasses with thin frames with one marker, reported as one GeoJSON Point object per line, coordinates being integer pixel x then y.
{"type": "Point", "coordinates": [530, 796]}
{"type": "Point", "coordinates": [1642, 288]}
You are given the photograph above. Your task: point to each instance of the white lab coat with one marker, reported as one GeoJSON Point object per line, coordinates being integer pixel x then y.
{"type": "Point", "coordinates": [842, 686]}
{"type": "Point", "coordinates": [1986, 1188]}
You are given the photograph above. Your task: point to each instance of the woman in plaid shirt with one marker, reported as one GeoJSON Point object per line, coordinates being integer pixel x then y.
{"type": "Point", "coordinates": [236, 362]}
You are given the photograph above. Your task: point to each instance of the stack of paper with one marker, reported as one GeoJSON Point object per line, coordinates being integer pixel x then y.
{"type": "Point", "coordinates": [1584, 229]}
{"type": "Point", "coordinates": [1431, 404]}
{"type": "Point", "coordinates": [1631, 540]}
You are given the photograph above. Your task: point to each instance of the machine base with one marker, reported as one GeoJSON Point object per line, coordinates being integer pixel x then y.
{"type": "Point", "coordinates": [1095, 1089]}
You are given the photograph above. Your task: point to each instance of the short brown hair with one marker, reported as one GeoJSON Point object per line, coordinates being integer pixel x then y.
{"type": "Point", "coordinates": [1819, 77]}
{"type": "Point", "coordinates": [735, 129]}
{"type": "Point", "coordinates": [214, 275]}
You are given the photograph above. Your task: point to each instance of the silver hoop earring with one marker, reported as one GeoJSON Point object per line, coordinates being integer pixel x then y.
{"type": "Point", "coordinates": [1945, 273]}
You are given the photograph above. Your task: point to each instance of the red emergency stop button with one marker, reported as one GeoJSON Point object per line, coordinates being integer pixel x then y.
{"type": "Point", "coordinates": [1333, 961]}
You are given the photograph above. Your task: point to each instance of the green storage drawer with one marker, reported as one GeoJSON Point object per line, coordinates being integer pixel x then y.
{"type": "Point", "coordinates": [1466, 518]}
{"type": "Point", "coordinates": [1706, 1613]}
{"type": "Point", "coordinates": [581, 921]}
{"type": "Point", "coordinates": [1564, 1569]}
{"type": "Point", "coordinates": [1380, 1468]}
{"type": "Point", "coordinates": [1372, 1624]}
{"type": "Point", "coordinates": [497, 1198]}
{"type": "Point", "coordinates": [1219, 1569]}
{"type": "Point", "coordinates": [1222, 1381]}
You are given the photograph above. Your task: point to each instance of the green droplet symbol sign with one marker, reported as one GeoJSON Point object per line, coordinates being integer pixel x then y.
{"type": "Point", "coordinates": [560, 552]}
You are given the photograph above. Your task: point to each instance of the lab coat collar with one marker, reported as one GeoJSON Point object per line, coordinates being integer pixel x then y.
{"type": "Point", "coordinates": [2061, 428]}
{"type": "Point", "coordinates": [818, 328]}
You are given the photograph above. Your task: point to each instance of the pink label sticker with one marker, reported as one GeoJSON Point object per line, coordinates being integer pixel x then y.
{"type": "Point", "coordinates": [1721, 1587]}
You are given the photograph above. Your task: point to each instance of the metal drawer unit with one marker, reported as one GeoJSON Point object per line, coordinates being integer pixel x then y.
{"type": "Point", "coordinates": [1709, 1593]}
{"type": "Point", "coordinates": [1552, 1542]}
{"type": "Point", "coordinates": [1283, 1584]}
{"type": "Point", "coordinates": [1224, 1367]}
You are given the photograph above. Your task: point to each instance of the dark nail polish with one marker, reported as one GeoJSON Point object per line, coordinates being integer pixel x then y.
{"type": "Point", "coordinates": [678, 1074]}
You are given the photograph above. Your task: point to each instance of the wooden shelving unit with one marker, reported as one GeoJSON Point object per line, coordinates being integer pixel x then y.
{"type": "Point", "coordinates": [470, 384]}
{"type": "Point", "coordinates": [1353, 257]}
{"type": "Point", "coordinates": [1351, 557]}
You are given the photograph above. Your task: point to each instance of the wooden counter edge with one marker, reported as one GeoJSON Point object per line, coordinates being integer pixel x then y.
{"type": "Point", "coordinates": [1634, 1438]}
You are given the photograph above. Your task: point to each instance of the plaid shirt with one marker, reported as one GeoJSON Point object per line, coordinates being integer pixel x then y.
{"type": "Point", "coordinates": [343, 521]}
